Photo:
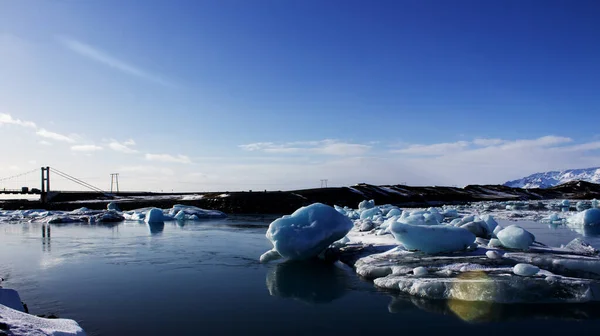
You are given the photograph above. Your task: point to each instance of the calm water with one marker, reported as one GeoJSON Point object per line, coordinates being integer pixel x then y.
{"type": "Point", "coordinates": [204, 278]}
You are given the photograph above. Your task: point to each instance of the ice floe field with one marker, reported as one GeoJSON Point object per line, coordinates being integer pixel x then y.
{"type": "Point", "coordinates": [373, 268]}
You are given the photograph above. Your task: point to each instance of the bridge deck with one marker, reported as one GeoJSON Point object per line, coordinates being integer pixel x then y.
{"type": "Point", "coordinates": [19, 191]}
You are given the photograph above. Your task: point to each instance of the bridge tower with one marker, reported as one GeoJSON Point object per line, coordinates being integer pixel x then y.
{"type": "Point", "coordinates": [45, 184]}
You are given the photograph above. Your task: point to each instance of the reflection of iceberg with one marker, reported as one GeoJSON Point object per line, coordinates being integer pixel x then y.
{"type": "Point", "coordinates": [309, 281]}
{"type": "Point", "coordinates": [477, 312]}
{"type": "Point", "coordinates": [156, 227]}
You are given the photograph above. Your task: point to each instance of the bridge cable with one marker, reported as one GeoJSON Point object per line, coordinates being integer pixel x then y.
{"type": "Point", "coordinates": [76, 180]}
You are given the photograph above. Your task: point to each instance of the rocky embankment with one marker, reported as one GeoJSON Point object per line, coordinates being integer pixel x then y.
{"type": "Point", "coordinates": [280, 202]}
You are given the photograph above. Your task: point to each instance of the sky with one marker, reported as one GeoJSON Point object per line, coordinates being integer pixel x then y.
{"type": "Point", "coordinates": [194, 95]}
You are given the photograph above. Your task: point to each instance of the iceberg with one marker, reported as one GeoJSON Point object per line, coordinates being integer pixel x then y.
{"type": "Point", "coordinates": [432, 239]}
{"type": "Point", "coordinates": [308, 231]}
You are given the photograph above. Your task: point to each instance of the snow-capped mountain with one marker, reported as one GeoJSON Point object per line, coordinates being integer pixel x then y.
{"type": "Point", "coordinates": [553, 178]}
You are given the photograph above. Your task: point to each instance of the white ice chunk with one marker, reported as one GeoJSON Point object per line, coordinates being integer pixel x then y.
{"type": "Point", "coordinates": [515, 237]}
{"type": "Point", "coordinates": [394, 212]}
{"type": "Point", "coordinates": [432, 239]}
{"type": "Point", "coordinates": [366, 204]}
{"type": "Point", "coordinates": [493, 255]}
{"type": "Point", "coordinates": [113, 206]}
{"type": "Point", "coordinates": [525, 269]}
{"type": "Point", "coordinates": [420, 271]}
{"type": "Point", "coordinates": [270, 255]}
{"type": "Point", "coordinates": [24, 324]}
{"type": "Point", "coordinates": [494, 242]}
{"type": "Point", "coordinates": [308, 231]}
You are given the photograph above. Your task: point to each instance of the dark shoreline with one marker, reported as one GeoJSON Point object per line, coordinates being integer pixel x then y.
{"type": "Point", "coordinates": [282, 202]}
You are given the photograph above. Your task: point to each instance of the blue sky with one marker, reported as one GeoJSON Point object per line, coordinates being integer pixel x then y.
{"type": "Point", "coordinates": [223, 95]}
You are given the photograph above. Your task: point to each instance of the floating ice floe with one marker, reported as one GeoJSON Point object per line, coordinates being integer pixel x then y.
{"type": "Point", "coordinates": [85, 215]}
{"type": "Point", "coordinates": [465, 257]}
{"type": "Point", "coordinates": [432, 238]}
{"type": "Point", "coordinates": [307, 232]}
{"type": "Point", "coordinates": [551, 276]}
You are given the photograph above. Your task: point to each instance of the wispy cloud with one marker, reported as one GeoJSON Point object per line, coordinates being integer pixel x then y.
{"type": "Point", "coordinates": [123, 147]}
{"type": "Point", "coordinates": [54, 136]}
{"type": "Point", "coordinates": [168, 158]}
{"type": "Point", "coordinates": [433, 149]}
{"type": "Point", "coordinates": [45, 143]}
{"type": "Point", "coordinates": [105, 58]}
{"type": "Point", "coordinates": [7, 119]}
{"type": "Point", "coordinates": [86, 148]}
{"type": "Point", "coordinates": [323, 147]}
{"type": "Point", "coordinates": [147, 170]}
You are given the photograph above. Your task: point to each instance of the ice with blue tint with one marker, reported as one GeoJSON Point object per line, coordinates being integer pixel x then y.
{"type": "Point", "coordinates": [589, 217]}
{"type": "Point", "coordinates": [370, 213]}
{"type": "Point", "coordinates": [515, 237]}
{"type": "Point", "coordinates": [308, 231]}
{"type": "Point", "coordinates": [432, 239]}
{"type": "Point", "coordinates": [478, 228]}
{"type": "Point", "coordinates": [490, 222]}
{"type": "Point", "coordinates": [394, 212]}
{"type": "Point", "coordinates": [180, 215]}
{"type": "Point", "coordinates": [155, 215]}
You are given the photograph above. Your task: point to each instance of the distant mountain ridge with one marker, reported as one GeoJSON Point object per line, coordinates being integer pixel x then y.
{"type": "Point", "coordinates": [554, 178]}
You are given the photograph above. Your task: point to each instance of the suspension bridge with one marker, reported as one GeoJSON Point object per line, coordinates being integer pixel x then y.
{"type": "Point", "coordinates": [20, 183]}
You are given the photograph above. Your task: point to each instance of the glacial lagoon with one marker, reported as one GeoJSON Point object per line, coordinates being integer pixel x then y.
{"type": "Point", "coordinates": [204, 277]}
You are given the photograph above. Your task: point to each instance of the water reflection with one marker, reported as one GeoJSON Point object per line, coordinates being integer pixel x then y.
{"type": "Point", "coordinates": [46, 232]}
{"type": "Point", "coordinates": [312, 281]}
{"type": "Point", "coordinates": [480, 312]}
{"type": "Point", "coordinates": [156, 227]}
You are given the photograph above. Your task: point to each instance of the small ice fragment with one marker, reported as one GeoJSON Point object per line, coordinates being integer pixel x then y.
{"type": "Point", "coordinates": [420, 271]}
{"type": "Point", "coordinates": [494, 242]}
{"type": "Point", "coordinates": [113, 206]}
{"type": "Point", "coordinates": [180, 215]}
{"type": "Point", "coordinates": [493, 255]}
{"type": "Point", "coordinates": [525, 269]}
{"type": "Point", "coordinates": [366, 204]}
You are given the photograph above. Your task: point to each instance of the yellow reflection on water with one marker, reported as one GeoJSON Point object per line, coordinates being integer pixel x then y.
{"type": "Point", "coordinates": [472, 296]}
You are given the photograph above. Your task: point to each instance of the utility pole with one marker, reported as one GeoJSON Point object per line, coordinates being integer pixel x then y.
{"type": "Point", "coordinates": [324, 183]}
{"type": "Point", "coordinates": [114, 181]}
